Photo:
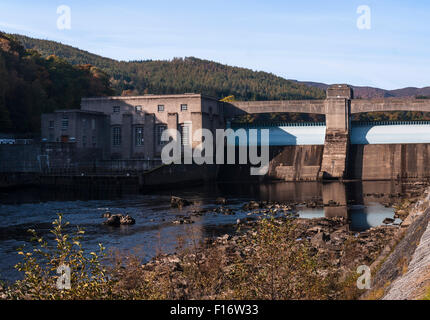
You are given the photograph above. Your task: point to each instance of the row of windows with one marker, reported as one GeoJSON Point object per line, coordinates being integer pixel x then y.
{"type": "Point", "coordinates": [160, 108]}
{"type": "Point", "coordinates": [139, 135]}
{"type": "Point", "coordinates": [65, 123]}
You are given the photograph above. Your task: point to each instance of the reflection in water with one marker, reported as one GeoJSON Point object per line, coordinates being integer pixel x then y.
{"type": "Point", "coordinates": [347, 200]}
{"type": "Point", "coordinates": [154, 230]}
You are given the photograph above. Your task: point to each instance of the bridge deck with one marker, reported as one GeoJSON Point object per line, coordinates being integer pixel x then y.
{"type": "Point", "coordinates": [382, 132]}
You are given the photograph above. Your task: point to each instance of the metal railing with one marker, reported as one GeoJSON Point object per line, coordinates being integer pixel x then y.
{"type": "Point", "coordinates": [238, 125]}
{"type": "Point", "coordinates": [96, 167]}
{"type": "Point", "coordinates": [389, 123]}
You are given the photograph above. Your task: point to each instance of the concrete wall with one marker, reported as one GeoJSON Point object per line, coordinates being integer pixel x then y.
{"type": "Point", "coordinates": [288, 163]}
{"type": "Point", "coordinates": [87, 130]}
{"type": "Point", "coordinates": [366, 162]}
{"type": "Point", "coordinates": [130, 113]}
{"type": "Point", "coordinates": [389, 161]}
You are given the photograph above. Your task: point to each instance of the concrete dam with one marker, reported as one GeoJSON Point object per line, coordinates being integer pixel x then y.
{"type": "Point", "coordinates": [339, 148]}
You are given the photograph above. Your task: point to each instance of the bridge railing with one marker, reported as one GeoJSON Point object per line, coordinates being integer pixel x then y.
{"type": "Point", "coordinates": [389, 123]}
{"type": "Point", "coordinates": [239, 125]}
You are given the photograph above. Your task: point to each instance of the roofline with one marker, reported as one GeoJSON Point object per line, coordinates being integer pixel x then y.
{"type": "Point", "coordinates": [151, 96]}
{"type": "Point", "coordinates": [77, 110]}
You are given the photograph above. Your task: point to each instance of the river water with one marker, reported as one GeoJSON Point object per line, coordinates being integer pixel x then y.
{"type": "Point", "coordinates": [363, 203]}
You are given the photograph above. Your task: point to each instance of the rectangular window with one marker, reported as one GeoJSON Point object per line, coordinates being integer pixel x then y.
{"type": "Point", "coordinates": [138, 108]}
{"type": "Point", "coordinates": [93, 124]}
{"type": "Point", "coordinates": [138, 136]}
{"type": "Point", "coordinates": [51, 137]}
{"type": "Point", "coordinates": [160, 129]}
{"type": "Point", "coordinates": [51, 124]}
{"type": "Point", "coordinates": [116, 136]}
{"type": "Point", "coordinates": [160, 108]}
{"type": "Point", "coordinates": [65, 123]}
{"type": "Point", "coordinates": [184, 107]}
{"type": "Point", "coordinates": [185, 134]}
{"type": "Point", "coordinates": [116, 109]}
{"type": "Point", "coordinates": [94, 141]}
{"type": "Point", "coordinates": [84, 141]}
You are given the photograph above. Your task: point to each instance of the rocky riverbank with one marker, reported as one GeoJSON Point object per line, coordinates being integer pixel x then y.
{"type": "Point", "coordinates": [274, 254]}
{"type": "Point", "coordinates": [337, 251]}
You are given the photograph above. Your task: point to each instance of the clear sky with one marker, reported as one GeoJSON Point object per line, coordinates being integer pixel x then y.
{"type": "Point", "coordinates": [307, 40]}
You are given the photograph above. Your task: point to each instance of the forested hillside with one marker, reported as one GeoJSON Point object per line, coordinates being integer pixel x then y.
{"type": "Point", "coordinates": [181, 75]}
{"type": "Point", "coordinates": [31, 84]}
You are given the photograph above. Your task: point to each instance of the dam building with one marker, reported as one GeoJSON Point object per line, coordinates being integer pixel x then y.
{"type": "Point", "coordinates": [130, 127]}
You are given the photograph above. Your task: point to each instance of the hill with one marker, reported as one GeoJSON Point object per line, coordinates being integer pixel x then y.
{"type": "Point", "coordinates": [371, 92]}
{"type": "Point", "coordinates": [31, 85]}
{"type": "Point", "coordinates": [181, 75]}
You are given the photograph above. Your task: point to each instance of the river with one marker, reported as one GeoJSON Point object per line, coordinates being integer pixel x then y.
{"type": "Point", "coordinates": [364, 203]}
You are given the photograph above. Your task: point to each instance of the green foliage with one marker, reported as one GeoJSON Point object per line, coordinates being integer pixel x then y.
{"type": "Point", "coordinates": [31, 85]}
{"type": "Point", "coordinates": [391, 116]}
{"type": "Point", "coordinates": [181, 75]}
{"type": "Point", "coordinates": [39, 266]}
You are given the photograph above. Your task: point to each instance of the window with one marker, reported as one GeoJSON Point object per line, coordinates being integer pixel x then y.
{"type": "Point", "coordinates": [51, 137]}
{"type": "Point", "coordinates": [185, 134]}
{"type": "Point", "coordinates": [84, 141]}
{"type": "Point", "coordinates": [93, 124]}
{"type": "Point", "coordinates": [51, 124]}
{"type": "Point", "coordinates": [138, 108]}
{"type": "Point", "coordinates": [94, 141]}
{"type": "Point", "coordinates": [184, 107]}
{"type": "Point", "coordinates": [160, 129]}
{"type": "Point", "coordinates": [138, 136]}
{"type": "Point", "coordinates": [116, 109]}
{"type": "Point", "coordinates": [65, 123]}
{"type": "Point", "coordinates": [116, 136]}
{"type": "Point", "coordinates": [160, 108]}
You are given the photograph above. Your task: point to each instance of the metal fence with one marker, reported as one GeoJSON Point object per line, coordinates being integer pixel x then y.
{"type": "Point", "coordinates": [96, 167]}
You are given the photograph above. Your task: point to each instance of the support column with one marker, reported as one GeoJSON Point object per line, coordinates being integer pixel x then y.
{"type": "Point", "coordinates": [126, 135]}
{"type": "Point", "coordinates": [196, 123]}
{"type": "Point", "coordinates": [336, 145]}
{"type": "Point", "coordinates": [172, 120]}
{"type": "Point", "coordinates": [149, 136]}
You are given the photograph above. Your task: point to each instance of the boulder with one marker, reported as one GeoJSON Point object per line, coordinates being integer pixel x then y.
{"type": "Point", "coordinates": [388, 221]}
{"type": "Point", "coordinates": [113, 220]}
{"type": "Point", "coordinates": [177, 202]}
{"type": "Point", "coordinates": [116, 220]}
{"type": "Point", "coordinates": [251, 205]}
{"type": "Point", "coordinates": [127, 220]}
{"type": "Point", "coordinates": [221, 200]}
{"type": "Point", "coordinates": [319, 239]}
{"type": "Point", "coordinates": [107, 214]}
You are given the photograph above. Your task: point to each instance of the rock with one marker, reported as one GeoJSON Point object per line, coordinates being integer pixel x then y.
{"type": "Point", "coordinates": [251, 205]}
{"type": "Point", "coordinates": [127, 220]}
{"type": "Point", "coordinates": [388, 221]}
{"type": "Point", "coordinates": [116, 220]}
{"type": "Point", "coordinates": [221, 200]}
{"type": "Point", "coordinates": [183, 220]}
{"type": "Point", "coordinates": [320, 239]}
{"type": "Point", "coordinates": [107, 214]}
{"type": "Point", "coordinates": [113, 220]}
{"type": "Point", "coordinates": [177, 202]}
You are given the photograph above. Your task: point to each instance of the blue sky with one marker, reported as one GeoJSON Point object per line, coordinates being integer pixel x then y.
{"type": "Point", "coordinates": [303, 40]}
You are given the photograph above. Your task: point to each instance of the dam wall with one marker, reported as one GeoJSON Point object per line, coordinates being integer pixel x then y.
{"type": "Point", "coordinates": [366, 162]}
